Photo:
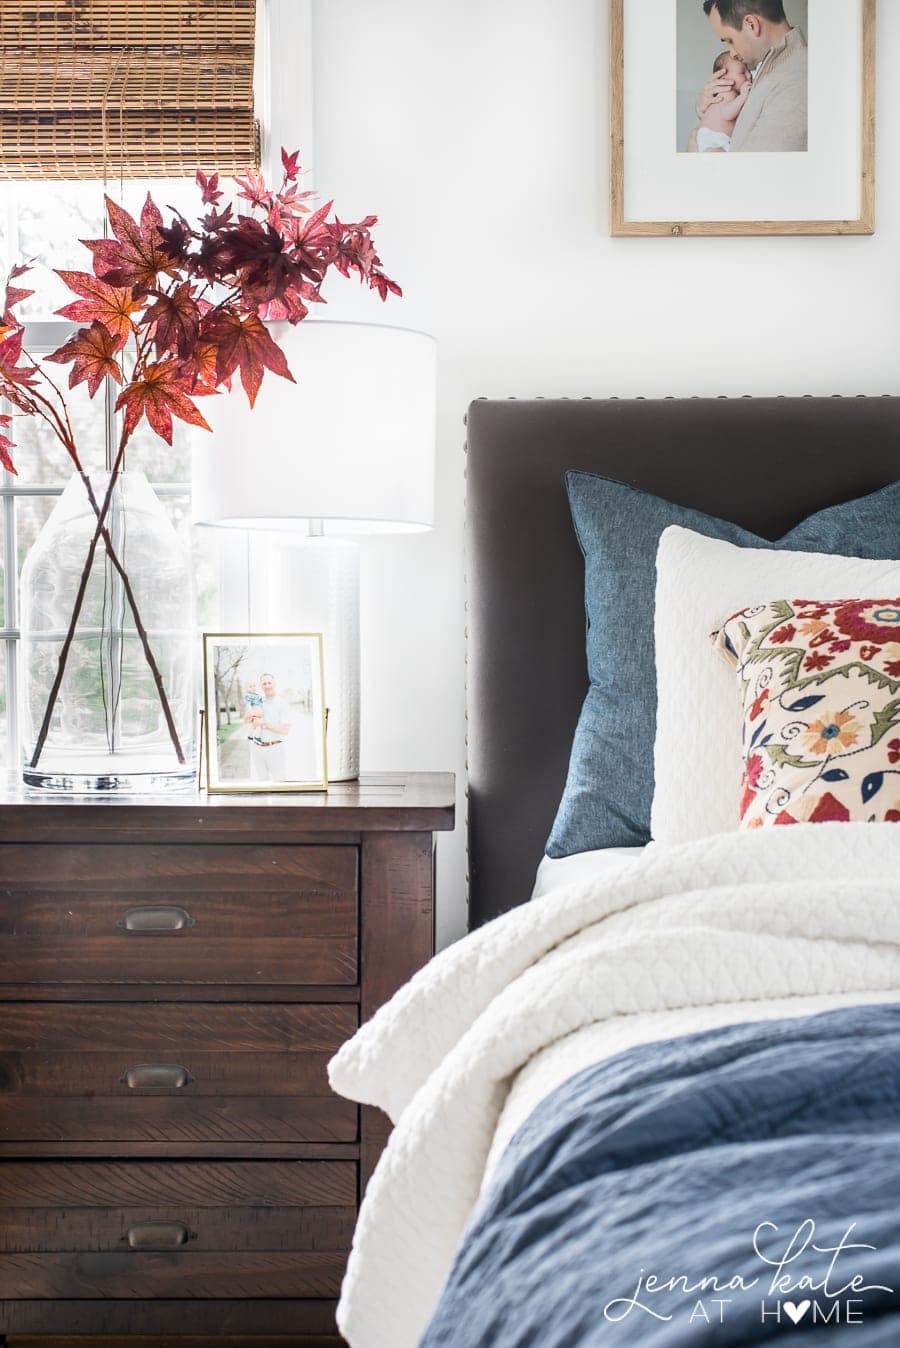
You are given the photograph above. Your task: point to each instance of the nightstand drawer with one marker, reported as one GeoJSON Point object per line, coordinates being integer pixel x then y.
{"type": "Point", "coordinates": [189, 1229]}
{"type": "Point", "coordinates": [163, 1073]}
{"type": "Point", "coordinates": [181, 915]}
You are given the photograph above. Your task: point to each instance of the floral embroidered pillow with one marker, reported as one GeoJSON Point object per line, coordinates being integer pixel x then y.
{"type": "Point", "coordinates": [821, 694]}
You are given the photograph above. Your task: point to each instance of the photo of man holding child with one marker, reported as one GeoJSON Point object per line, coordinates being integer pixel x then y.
{"type": "Point", "coordinates": [742, 76]}
{"type": "Point", "coordinates": [265, 715]}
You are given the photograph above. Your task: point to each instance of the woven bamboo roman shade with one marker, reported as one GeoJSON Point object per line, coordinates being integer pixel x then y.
{"type": "Point", "coordinates": [126, 88]}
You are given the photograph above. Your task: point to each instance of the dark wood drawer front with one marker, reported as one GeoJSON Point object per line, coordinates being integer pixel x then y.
{"type": "Point", "coordinates": [132, 1229]}
{"type": "Point", "coordinates": [162, 1073]}
{"type": "Point", "coordinates": [180, 915]}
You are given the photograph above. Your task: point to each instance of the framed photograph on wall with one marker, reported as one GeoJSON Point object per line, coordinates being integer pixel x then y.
{"type": "Point", "coordinates": [742, 117]}
{"type": "Point", "coordinates": [264, 712]}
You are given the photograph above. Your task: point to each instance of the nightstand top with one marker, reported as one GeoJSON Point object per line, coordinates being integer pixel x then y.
{"type": "Point", "coordinates": [395, 802]}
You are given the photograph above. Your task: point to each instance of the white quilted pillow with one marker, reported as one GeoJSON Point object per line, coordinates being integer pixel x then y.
{"type": "Point", "coordinates": [701, 582]}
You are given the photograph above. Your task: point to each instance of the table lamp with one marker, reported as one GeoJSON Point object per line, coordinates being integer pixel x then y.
{"type": "Point", "coordinates": [346, 450]}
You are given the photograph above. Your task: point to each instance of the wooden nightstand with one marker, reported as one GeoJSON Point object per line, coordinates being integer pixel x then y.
{"type": "Point", "coordinates": [175, 975]}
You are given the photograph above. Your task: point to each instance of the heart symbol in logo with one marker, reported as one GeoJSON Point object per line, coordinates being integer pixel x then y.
{"type": "Point", "coordinates": [796, 1313]}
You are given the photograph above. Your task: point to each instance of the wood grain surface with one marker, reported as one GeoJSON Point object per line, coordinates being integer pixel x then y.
{"type": "Point", "coordinates": [254, 915]}
{"type": "Point", "coordinates": [241, 1074]}
{"type": "Point", "coordinates": [396, 939]}
{"type": "Point", "coordinates": [193, 1273]}
{"type": "Point", "coordinates": [165, 1316]}
{"type": "Point", "coordinates": [175, 1341]}
{"type": "Point", "coordinates": [249, 1229]}
{"type": "Point", "coordinates": [260, 1184]}
{"type": "Point", "coordinates": [172, 1160]}
{"type": "Point", "coordinates": [377, 802]}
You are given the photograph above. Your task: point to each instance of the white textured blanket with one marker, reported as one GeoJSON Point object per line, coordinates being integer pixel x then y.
{"type": "Point", "coordinates": [807, 912]}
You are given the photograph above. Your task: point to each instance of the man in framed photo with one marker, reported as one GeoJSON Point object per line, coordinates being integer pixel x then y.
{"type": "Point", "coordinates": [775, 115]}
{"type": "Point", "coordinates": [270, 725]}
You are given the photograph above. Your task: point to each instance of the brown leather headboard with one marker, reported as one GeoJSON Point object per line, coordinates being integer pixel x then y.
{"type": "Point", "coordinates": [763, 463]}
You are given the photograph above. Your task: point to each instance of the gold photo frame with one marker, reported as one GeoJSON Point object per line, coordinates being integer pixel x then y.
{"type": "Point", "coordinates": [264, 712]}
{"type": "Point", "coordinates": [646, 191]}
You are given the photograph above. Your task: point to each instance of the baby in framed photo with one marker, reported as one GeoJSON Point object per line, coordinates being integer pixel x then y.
{"type": "Point", "coordinates": [716, 124]}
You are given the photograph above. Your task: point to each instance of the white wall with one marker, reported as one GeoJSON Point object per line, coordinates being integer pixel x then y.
{"type": "Point", "coordinates": [477, 130]}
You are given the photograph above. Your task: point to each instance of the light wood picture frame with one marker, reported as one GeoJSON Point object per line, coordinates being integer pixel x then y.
{"type": "Point", "coordinates": [264, 712]}
{"type": "Point", "coordinates": [641, 211]}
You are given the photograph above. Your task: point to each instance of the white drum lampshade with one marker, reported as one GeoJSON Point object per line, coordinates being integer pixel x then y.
{"type": "Point", "coordinates": [348, 449]}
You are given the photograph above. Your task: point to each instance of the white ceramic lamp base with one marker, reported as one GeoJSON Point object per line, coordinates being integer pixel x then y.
{"type": "Point", "coordinates": [312, 585]}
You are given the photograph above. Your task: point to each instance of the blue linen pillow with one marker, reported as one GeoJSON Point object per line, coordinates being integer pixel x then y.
{"type": "Point", "coordinates": [609, 787]}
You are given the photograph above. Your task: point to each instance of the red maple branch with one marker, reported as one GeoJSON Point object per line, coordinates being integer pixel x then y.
{"type": "Point", "coordinates": [192, 300]}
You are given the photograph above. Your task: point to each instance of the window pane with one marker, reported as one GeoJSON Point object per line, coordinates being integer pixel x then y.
{"type": "Point", "coordinates": [45, 222]}
{"type": "Point", "coordinates": [162, 462]}
{"type": "Point", "coordinates": [39, 456]}
{"type": "Point", "coordinates": [50, 218]}
{"type": "Point", "coordinates": [6, 648]}
{"type": "Point", "coordinates": [170, 194]}
{"type": "Point", "coordinates": [32, 513]}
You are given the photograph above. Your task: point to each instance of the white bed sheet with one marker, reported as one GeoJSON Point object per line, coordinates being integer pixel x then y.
{"type": "Point", "coordinates": [554, 872]}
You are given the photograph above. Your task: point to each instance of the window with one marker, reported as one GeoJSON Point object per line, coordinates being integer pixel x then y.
{"type": "Point", "coordinates": [44, 222]}
{"type": "Point", "coordinates": [106, 90]}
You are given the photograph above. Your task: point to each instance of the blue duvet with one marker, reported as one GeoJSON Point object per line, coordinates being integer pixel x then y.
{"type": "Point", "coordinates": [731, 1187]}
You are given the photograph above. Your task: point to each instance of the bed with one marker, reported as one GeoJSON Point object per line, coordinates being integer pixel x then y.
{"type": "Point", "coordinates": [658, 1104]}
{"type": "Point", "coordinates": [526, 670]}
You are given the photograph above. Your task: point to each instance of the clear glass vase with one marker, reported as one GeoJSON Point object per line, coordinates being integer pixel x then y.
{"type": "Point", "coordinates": [109, 704]}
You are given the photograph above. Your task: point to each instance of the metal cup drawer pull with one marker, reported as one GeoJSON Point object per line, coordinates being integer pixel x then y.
{"type": "Point", "coordinates": [156, 917]}
{"type": "Point", "coordinates": [158, 1236]}
{"type": "Point", "coordinates": [168, 1076]}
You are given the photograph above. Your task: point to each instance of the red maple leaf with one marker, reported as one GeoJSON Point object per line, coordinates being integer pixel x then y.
{"type": "Point", "coordinates": [6, 447]}
{"type": "Point", "coordinates": [91, 351]}
{"type": "Point", "coordinates": [10, 352]}
{"type": "Point", "coordinates": [314, 231]}
{"type": "Point", "coordinates": [175, 319]}
{"type": "Point", "coordinates": [14, 295]}
{"type": "Point", "coordinates": [215, 220]}
{"type": "Point", "coordinates": [290, 163]}
{"type": "Point", "coordinates": [253, 189]}
{"type": "Point", "coordinates": [137, 256]}
{"type": "Point", "coordinates": [245, 345]}
{"type": "Point", "coordinates": [209, 188]}
{"type": "Point", "coordinates": [353, 247]}
{"type": "Point", "coordinates": [199, 369]}
{"type": "Point", "coordinates": [176, 239]}
{"type": "Point", "coordinates": [254, 255]}
{"type": "Point", "coordinates": [383, 284]}
{"type": "Point", "coordinates": [289, 206]}
{"type": "Point", "coordinates": [159, 395]}
{"type": "Point", "coordinates": [290, 308]}
{"type": "Point", "coordinates": [104, 303]}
